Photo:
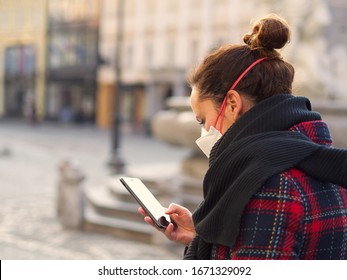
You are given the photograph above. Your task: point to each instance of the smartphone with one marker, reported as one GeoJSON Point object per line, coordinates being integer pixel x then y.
{"type": "Point", "coordinates": [147, 200]}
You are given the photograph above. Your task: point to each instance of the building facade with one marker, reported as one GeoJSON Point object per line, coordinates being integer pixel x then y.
{"type": "Point", "coordinates": [72, 60]}
{"type": "Point", "coordinates": [67, 59]}
{"type": "Point", "coordinates": [22, 57]}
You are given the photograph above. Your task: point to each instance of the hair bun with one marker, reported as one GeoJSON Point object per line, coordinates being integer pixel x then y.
{"type": "Point", "coordinates": [270, 32]}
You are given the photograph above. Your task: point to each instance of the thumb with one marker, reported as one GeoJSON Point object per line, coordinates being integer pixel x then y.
{"type": "Point", "coordinates": [176, 209]}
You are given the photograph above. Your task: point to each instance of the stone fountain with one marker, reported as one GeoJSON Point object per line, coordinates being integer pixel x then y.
{"type": "Point", "coordinates": [178, 126]}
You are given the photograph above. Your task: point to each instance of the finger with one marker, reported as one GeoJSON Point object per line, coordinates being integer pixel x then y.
{"type": "Point", "coordinates": [178, 209]}
{"type": "Point", "coordinates": [173, 222]}
{"type": "Point", "coordinates": [170, 232]}
{"type": "Point", "coordinates": [149, 221]}
{"type": "Point", "coordinates": [169, 228]}
{"type": "Point", "coordinates": [142, 211]}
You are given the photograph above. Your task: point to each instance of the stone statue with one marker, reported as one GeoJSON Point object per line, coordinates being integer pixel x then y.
{"type": "Point", "coordinates": [319, 65]}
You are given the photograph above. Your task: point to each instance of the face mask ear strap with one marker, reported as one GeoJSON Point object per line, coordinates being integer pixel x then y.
{"type": "Point", "coordinates": [224, 105]}
{"type": "Point", "coordinates": [220, 113]}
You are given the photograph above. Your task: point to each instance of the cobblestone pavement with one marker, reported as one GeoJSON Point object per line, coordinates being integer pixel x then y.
{"type": "Point", "coordinates": [29, 158]}
{"type": "Point", "coordinates": [30, 230]}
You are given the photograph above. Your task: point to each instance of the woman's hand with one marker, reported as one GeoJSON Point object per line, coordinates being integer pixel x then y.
{"type": "Point", "coordinates": [184, 231]}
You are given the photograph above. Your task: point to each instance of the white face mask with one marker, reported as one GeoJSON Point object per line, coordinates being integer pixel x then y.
{"type": "Point", "coordinates": [208, 139]}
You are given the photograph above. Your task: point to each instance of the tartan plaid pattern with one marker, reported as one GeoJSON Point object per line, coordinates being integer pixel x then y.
{"type": "Point", "coordinates": [293, 216]}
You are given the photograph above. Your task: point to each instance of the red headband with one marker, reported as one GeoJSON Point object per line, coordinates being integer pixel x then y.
{"type": "Point", "coordinates": [246, 71]}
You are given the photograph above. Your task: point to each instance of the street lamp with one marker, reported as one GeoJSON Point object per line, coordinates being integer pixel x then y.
{"type": "Point", "coordinates": [116, 162]}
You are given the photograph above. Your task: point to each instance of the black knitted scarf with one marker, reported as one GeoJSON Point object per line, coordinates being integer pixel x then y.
{"type": "Point", "coordinates": [255, 148]}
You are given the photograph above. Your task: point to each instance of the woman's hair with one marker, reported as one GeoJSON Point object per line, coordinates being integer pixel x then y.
{"type": "Point", "coordinates": [271, 76]}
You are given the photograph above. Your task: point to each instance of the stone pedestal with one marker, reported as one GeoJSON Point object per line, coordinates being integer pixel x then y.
{"type": "Point", "coordinates": [70, 196]}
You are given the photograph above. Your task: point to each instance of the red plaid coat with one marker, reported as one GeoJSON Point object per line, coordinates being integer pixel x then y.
{"type": "Point", "coordinates": [293, 216]}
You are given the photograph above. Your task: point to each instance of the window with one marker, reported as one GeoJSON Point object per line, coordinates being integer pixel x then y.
{"type": "Point", "coordinates": [194, 50]}
{"type": "Point", "coordinates": [129, 56]}
{"type": "Point", "coordinates": [72, 49]}
{"type": "Point", "coordinates": [171, 53]}
{"type": "Point", "coordinates": [20, 60]}
{"type": "Point", "coordinates": [149, 55]}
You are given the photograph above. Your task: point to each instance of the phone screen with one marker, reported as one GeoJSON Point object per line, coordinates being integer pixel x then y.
{"type": "Point", "coordinates": [147, 200]}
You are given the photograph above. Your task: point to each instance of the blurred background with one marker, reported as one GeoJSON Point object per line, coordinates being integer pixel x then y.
{"type": "Point", "coordinates": [92, 90]}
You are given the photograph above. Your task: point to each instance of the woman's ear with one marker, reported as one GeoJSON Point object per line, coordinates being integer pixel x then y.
{"type": "Point", "coordinates": [234, 106]}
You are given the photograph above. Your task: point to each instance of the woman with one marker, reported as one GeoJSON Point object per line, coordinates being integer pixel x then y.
{"type": "Point", "coordinates": [273, 187]}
